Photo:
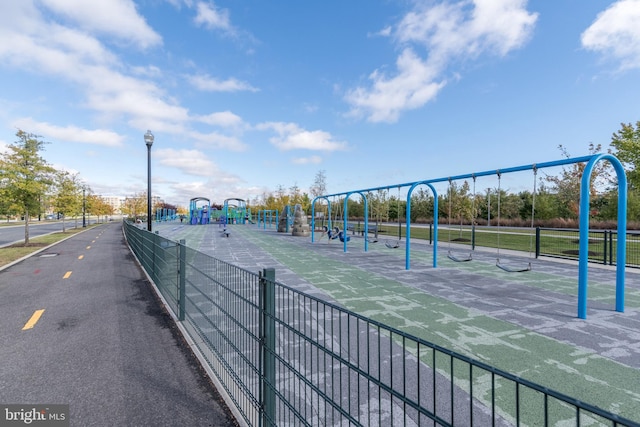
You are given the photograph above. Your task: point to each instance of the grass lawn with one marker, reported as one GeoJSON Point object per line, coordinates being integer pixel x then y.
{"type": "Point", "coordinates": [8, 254]}
{"type": "Point", "coordinates": [561, 243]}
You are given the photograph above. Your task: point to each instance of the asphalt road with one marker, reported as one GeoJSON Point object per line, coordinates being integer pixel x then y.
{"type": "Point", "coordinates": [102, 343]}
{"type": "Point", "coordinates": [15, 233]}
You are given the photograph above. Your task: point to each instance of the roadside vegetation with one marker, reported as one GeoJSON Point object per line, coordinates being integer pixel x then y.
{"type": "Point", "coordinates": [553, 201]}
{"type": "Point", "coordinates": [32, 189]}
{"type": "Point", "coordinates": [11, 253]}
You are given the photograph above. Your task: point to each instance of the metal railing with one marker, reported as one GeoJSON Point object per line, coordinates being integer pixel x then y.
{"type": "Point", "coordinates": [287, 358]}
{"type": "Point", "coordinates": [564, 242]}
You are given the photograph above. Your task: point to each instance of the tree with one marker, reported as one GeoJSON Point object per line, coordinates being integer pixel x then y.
{"type": "Point", "coordinates": [295, 195]}
{"type": "Point", "coordinates": [627, 149]}
{"type": "Point", "coordinates": [421, 205]}
{"type": "Point", "coordinates": [459, 204]}
{"type": "Point", "coordinates": [67, 199]}
{"type": "Point", "coordinates": [567, 184]}
{"type": "Point", "coordinates": [319, 186]}
{"type": "Point", "coordinates": [98, 207]}
{"type": "Point", "coordinates": [546, 207]}
{"type": "Point", "coordinates": [25, 176]}
{"type": "Point", "coordinates": [7, 206]}
{"type": "Point", "coordinates": [135, 206]}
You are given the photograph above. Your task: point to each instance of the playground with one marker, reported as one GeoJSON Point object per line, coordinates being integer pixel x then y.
{"type": "Point", "coordinates": [520, 320]}
{"type": "Point", "coordinates": [524, 323]}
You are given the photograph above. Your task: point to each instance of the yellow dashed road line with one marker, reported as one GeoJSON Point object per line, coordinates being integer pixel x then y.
{"type": "Point", "coordinates": [66, 275]}
{"type": "Point", "coordinates": [33, 320]}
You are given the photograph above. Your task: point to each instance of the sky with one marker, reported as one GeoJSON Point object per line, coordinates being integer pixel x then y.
{"type": "Point", "coordinates": [245, 97]}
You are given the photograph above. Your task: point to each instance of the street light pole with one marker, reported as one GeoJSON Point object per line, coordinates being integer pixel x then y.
{"type": "Point", "coordinates": [148, 139]}
{"type": "Point", "coordinates": [84, 207]}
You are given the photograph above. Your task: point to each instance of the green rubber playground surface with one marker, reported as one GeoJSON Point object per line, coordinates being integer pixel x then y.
{"type": "Point", "coordinates": [523, 323]}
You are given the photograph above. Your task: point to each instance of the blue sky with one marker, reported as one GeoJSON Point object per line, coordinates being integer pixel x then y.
{"type": "Point", "coordinates": [243, 97]}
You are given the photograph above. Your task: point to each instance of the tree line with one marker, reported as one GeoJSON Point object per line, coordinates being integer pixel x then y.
{"type": "Point", "coordinates": [30, 187]}
{"type": "Point", "coordinates": [554, 203]}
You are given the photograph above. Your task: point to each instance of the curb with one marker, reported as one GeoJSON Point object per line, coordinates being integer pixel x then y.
{"type": "Point", "coordinates": [12, 263]}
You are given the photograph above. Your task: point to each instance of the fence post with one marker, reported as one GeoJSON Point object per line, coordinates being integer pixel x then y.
{"type": "Point", "coordinates": [537, 242]}
{"type": "Point", "coordinates": [606, 242]}
{"type": "Point", "coordinates": [611, 248]}
{"type": "Point", "coordinates": [268, 346]}
{"type": "Point", "coordinates": [182, 274]}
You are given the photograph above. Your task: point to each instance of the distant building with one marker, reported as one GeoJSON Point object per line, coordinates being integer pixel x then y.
{"type": "Point", "coordinates": [116, 202]}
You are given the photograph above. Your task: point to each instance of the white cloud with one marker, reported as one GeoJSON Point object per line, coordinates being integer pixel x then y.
{"type": "Point", "coordinates": [209, 16]}
{"type": "Point", "coordinates": [292, 137]}
{"type": "Point", "coordinates": [312, 160]}
{"type": "Point", "coordinates": [214, 18]}
{"type": "Point", "coordinates": [385, 32]}
{"type": "Point", "coordinates": [412, 87]}
{"type": "Point", "coordinates": [117, 18]}
{"type": "Point", "coordinates": [222, 119]}
{"type": "Point", "coordinates": [178, 3]}
{"type": "Point", "coordinates": [211, 84]}
{"type": "Point", "coordinates": [215, 140]}
{"type": "Point", "coordinates": [34, 44]}
{"type": "Point", "coordinates": [449, 33]}
{"type": "Point", "coordinates": [70, 133]}
{"type": "Point", "coordinates": [616, 34]}
{"type": "Point", "coordinates": [191, 162]}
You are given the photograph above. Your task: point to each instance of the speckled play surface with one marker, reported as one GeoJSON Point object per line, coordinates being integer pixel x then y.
{"type": "Point", "coordinates": [523, 323]}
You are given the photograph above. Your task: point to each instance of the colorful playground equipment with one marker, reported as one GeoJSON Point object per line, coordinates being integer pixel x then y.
{"type": "Point", "coordinates": [237, 213]}
{"type": "Point", "coordinates": [268, 216]}
{"type": "Point", "coordinates": [166, 215]}
{"type": "Point", "coordinates": [583, 260]}
{"type": "Point", "coordinates": [199, 215]}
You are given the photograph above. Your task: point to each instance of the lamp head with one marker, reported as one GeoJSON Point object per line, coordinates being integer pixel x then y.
{"type": "Point", "coordinates": [148, 138]}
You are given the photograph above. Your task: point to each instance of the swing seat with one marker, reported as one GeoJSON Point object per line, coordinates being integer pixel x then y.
{"type": "Point", "coordinates": [342, 237]}
{"type": "Point", "coordinates": [509, 269]}
{"type": "Point", "coordinates": [392, 244]}
{"type": "Point", "coordinates": [331, 234]}
{"type": "Point", "coordinates": [452, 257]}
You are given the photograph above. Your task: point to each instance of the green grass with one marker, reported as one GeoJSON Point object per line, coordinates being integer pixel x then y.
{"type": "Point", "coordinates": [517, 239]}
{"type": "Point", "coordinates": [8, 254]}
{"type": "Point", "coordinates": [552, 242]}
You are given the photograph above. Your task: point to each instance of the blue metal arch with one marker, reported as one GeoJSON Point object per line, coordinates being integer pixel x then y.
{"type": "Point", "coordinates": [583, 260]}
{"type": "Point", "coordinates": [435, 224]}
{"type": "Point", "coordinates": [313, 214]}
{"type": "Point", "coordinates": [591, 160]}
{"type": "Point", "coordinates": [366, 218]}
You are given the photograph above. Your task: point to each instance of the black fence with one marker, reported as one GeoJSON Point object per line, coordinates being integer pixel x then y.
{"type": "Point", "coordinates": [285, 358]}
{"type": "Point", "coordinates": [551, 242]}
{"type": "Point", "coordinates": [564, 243]}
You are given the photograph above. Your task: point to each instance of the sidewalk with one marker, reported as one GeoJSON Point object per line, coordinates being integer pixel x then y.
{"type": "Point", "coordinates": [103, 344]}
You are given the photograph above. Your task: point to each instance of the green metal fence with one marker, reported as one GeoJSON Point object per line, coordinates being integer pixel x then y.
{"type": "Point", "coordinates": [287, 358]}
{"type": "Point", "coordinates": [563, 243]}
